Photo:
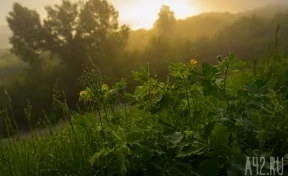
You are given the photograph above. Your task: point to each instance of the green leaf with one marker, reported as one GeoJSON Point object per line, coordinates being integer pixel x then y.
{"type": "Point", "coordinates": [191, 149]}
{"type": "Point", "coordinates": [259, 87]}
{"type": "Point", "coordinates": [121, 160]}
{"type": "Point", "coordinates": [96, 156]}
{"type": "Point", "coordinates": [143, 74]}
{"type": "Point", "coordinates": [234, 61]}
{"type": "Point", "coordinates": [175, 69]}
{"type": "Point", "coordinates": [209, 71]}
{"type": "Point", "coordinates": [238, 161]}
{"type": "Point", "coordinates": [183, 105]}
{"type": "Point", "coordinates": [229, 124]}
{"type": "Point", "coordinates": [104, 88]}
{"type": "Point", "coordinates": [212, 89]}
{"type": "Point", "coordinates": [174, 138]}
{"type": "Point", "coordinates": [121, 84]}
{"type": "Point", "coordinates": [144, 153]}
{"type": "Point", "coordinates": [247, 125]}
{"type": "Point", "coordinates": [220, 136]}
{"type": "Point", "coordinates": [242, 93]}
{"type": "Point", "coordinates": [167, 125]}
{"type": "Point", "coordinates": [208, 130]}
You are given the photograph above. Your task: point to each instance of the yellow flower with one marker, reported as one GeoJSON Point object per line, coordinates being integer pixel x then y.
{"type": "Point", "coordinates": [85, 95]}
{"type": "Point", "coordinates": [193, 62]}
{"type": "Point", "coordinates": [82, 93]}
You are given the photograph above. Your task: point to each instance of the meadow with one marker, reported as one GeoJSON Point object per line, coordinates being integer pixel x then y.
{"type": "Point", "coordinates": [82, 95]}
{"type": "Point", "coordinates": [196, 123]}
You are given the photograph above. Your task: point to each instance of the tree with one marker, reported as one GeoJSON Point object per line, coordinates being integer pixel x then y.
{"type": "Point", "coordinates": [27, 39]}
{"type": "Point", "coordinates": [166, 22]}
{"type": "Point", "coordinates": [74, 33]}
{"type": "Point", "coordinates": [99, 30]}
{"type": "Point", "coordinates": [71, 31]}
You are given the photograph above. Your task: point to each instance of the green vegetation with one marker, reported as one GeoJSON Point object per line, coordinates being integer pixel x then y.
{"type": "Point", "coordinates": [194, 121]}
{"type": "Point", "coordinates": [202, 117]}
{"type": "Point", "coordinates": [10, 66]}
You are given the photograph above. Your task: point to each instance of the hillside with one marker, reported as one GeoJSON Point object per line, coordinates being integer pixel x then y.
{"type": "Point", "coordinates": [198, 96]}
{"type": "Point", "coordinates": [266, 11]}
{"type": "Point", "coordinates": [194, 27]}
{"type": "Point", "coordinates": [204, 25]}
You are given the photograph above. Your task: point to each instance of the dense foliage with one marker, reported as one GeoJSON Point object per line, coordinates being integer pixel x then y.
{"type": "Point", "coordinates": [196, 123]}
{"type": "Point", "coordinates": [201, 116]}
{"type": "Point", "coordinates": [72, 35]}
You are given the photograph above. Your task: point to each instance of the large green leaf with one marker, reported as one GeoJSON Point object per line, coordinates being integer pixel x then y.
{"type": "Point", "coordinates": [209, 71]}
{"type": "Point", "coordinates": [187, 150]}
{"type": "Point", "coordinates": [98, 155]}
{"type": "Point", "coordinates": [174, 137]}
{"type": "Point", "coordinates": [219, 136]}
{"type": "Point", "coordinates": [143, 74]}
{"type": "Point", "coordinates": [176, 69]}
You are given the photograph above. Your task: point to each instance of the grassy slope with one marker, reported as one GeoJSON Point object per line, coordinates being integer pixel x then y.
{"type": "Point", "coordinates": [151, 141]}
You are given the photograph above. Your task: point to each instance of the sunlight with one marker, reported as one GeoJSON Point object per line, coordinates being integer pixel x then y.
{"type": "Point", "coordinates": [143, 13]}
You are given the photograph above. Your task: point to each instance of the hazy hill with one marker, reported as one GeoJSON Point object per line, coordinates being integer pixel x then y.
{"type": "Point", "coordinates": [266, 11]}
{"type": "Point", "coordinates": [205, 24]}
{"type": "Point", "coordinates": [193, 28]}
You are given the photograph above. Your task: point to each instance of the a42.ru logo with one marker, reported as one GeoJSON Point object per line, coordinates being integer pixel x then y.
{"type": "Point", "coordinates": [261, 166]}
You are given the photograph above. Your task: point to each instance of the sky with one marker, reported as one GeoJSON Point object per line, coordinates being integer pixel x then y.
{"type": "Point", "coordinates": [143, 13]}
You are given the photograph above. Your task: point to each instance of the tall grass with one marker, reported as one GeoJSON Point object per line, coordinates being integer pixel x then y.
{"type": "Point", "coordinates": [196, 123]}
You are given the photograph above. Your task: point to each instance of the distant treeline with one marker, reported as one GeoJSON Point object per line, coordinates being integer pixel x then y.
{"type": "Point", "coordinates": [76, 35]}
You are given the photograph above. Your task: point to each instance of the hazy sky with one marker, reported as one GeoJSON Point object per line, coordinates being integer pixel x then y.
{"type": "Point", "coordinates": [142, 13]}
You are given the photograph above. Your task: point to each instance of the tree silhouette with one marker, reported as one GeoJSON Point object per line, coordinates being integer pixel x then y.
{"type": "Point", "coordinates": [27, 39]}
{"type": "Point", "coordinates": [166, 22]}
{"type": "Point", "coordinates": [71, 31]}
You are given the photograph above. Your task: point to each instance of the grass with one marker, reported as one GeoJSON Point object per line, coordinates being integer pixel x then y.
{"type": "Point", "coordinates": [196, 123]}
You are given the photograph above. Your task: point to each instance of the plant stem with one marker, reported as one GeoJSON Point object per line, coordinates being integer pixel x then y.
{"type": "Point", "coordinates": [187, 97]}
{"type": "Point", "coordinates": [224, 88]}
{"type": "Point", "coordinates": [101, 124]}
{"type": "Point", "coordinates": [262, 142]}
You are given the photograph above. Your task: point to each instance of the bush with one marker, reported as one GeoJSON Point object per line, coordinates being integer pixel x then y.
{"type": "Point", "coordinates": [196, 123]}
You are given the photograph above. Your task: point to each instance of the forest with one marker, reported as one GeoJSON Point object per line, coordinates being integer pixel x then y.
{"type": "Point", "coordinates": [189, 94]}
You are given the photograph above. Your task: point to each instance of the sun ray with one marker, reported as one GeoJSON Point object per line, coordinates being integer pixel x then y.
{"type": "Point", "coordinates": [143, 13]}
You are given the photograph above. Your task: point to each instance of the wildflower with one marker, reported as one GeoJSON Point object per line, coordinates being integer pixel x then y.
{"type": "Point", "coordinates": [193, 62]}
{"type": "Point", "coordinates": [86, 95]}
{"type": "Point", "coordinates": [82, 93]}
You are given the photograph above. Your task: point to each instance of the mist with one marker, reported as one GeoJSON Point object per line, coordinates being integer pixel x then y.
{"type": "Point", "coordinates": [124, 6]}
{"type": "Point", "coordinates": [235, 5]}
{"type": "Point", "coordinates": [140, 87]}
